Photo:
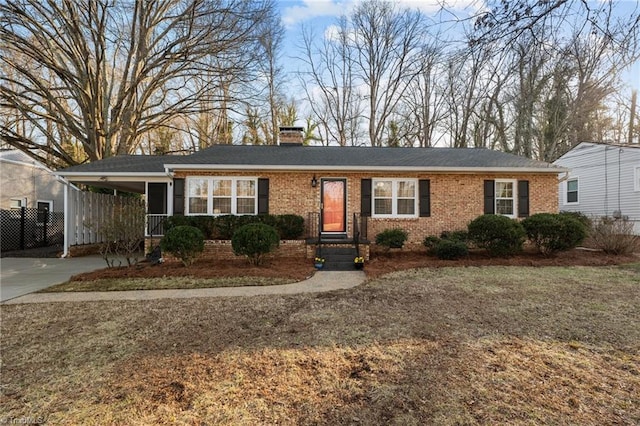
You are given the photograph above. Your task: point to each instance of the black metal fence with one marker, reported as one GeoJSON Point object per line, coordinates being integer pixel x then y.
{"type": "Point", "coordinates": [25, 228]}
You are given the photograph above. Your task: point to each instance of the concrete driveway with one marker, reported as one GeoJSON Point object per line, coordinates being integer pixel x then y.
{"type": "Point", "coordinates": [20, 276]}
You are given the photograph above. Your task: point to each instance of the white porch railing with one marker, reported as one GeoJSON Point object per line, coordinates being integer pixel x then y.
{"type": "Point", "coordinates": [155, 225]}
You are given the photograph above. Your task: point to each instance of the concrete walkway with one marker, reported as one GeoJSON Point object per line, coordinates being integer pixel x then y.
{"type": "Point", "coordinates": [321, 281]}
{"type": "Point", "coordinates": [20, 276]}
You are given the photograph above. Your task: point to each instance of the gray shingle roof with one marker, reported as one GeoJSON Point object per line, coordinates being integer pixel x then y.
{"type": "Point", "coordinates": [297, 157]}
{"type": "Point", "coordinates": [125, 164]}
{"type": "Point", "coordinates": [359, 157]}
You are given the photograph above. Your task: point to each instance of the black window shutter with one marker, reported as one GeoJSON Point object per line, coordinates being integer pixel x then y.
{"type": "Point", "coordinates": [489, 197]}
{"type": "Point", "coordinates": [424, 189]}
{"type": "Point", "coordinates": [178, 197]}
{"type": "Point", "coordinates": [365, 197]}
{"type": "Point", "coordinates": [263, 196]}
{"type": "Point", "coordinates": [523, 198]}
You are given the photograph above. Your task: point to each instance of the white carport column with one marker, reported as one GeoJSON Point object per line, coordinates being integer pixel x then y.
{"type": "Point", "coordinates": [65, 251]}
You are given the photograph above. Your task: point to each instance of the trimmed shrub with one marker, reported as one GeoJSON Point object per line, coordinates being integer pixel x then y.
{"type": "Point", "coordinates": [462, 236]}
{"type": "Point", "coordinates": [552, 233]}
{"type": "Point", "coordinates": [184, 242]}
{"type": "Point", "coordinates": [392, 238]}
{"type": "Point", "coordinates": [614, 236]}
{"type": "Point", "coordinates": [255, 240]}
{"type": "Point", "coordinates": [580, 217]}
{"type": "Point", "coordinates": [430, 242]}
{"type": "Point", "coordinates": [450, 249]}
{"type": "Point", "coordinates": [290, 226]}
{"type": "Point", "coordinates": [499, 235]}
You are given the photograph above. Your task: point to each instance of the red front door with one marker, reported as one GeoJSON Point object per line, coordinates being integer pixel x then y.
{"type": "Point", "coordinates": [334, 210]}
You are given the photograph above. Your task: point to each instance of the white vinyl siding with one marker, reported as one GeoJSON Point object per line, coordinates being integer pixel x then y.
{"type": "Point", "coordinates": [608, 180]}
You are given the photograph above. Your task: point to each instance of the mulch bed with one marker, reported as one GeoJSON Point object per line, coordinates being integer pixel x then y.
{"type": "Point", "coordinates": [395, 261]}
{"type": "Point", "coordinates": [294, 268]}
{"type": "Point", "coordinates": [379, 264]}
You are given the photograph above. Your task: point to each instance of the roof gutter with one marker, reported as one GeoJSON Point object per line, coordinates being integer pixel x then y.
{"type": "Point", "coordinates": [316, 168]}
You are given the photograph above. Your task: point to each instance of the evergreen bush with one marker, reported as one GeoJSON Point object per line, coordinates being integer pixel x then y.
{"type": "Point", "coordinates": [391, 238]}
{"type": "Point", "coordinates": [499, 235]}
{"type": "Point", "coordinates": [255, 240]}
{"type": "Point", "coordinates": [184, 242]}
{"type": "Point", "coordinates": [552, 233]}
{"type": "Point", "coordinates": [450, 249]}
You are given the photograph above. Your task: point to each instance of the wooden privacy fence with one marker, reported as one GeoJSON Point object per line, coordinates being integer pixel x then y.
{"type": "Point", "coordinates": [88, 211]}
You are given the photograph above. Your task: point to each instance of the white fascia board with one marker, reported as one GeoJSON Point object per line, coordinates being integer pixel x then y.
{"type": "Point", "coordinates": [116, 177]}
{"type": "Point", "coordinates": [243, 167]}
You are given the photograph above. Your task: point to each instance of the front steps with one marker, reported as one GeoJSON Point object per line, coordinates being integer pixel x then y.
{"type": "Point", "coordinates": [338, 258]}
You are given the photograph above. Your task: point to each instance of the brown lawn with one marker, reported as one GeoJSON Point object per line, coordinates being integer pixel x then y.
{"type": "Point", "coordinates": [459, 345]}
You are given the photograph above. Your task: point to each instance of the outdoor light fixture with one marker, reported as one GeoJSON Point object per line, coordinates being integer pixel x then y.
{"type": "Point", "coordinates": [314, 181]}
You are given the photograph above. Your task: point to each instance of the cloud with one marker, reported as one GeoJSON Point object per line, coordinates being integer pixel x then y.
{"type": "Point", "coordinates": [310, 9]}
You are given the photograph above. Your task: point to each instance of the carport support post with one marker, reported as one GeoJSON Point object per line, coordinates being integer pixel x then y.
{"type": "Point", "coordinates": [65, 220]}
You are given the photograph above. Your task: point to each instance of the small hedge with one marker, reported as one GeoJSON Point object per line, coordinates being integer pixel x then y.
{"type": "Point", "coordinates": [462, 236]}
{"type": "Point", "coordinates": [184, 242]}
{"type": "Point", "coordinates": [288, 226]}
{"type": "Point", "coordinates": [450, 249]}
{"type": "Point", "coordinates": [552, 233]}
{"type": "Point", "coordinates": [255, 240]}
{"type": "Point", "coordinates": [450, 246]}
{"type": "Point", "coordinates": [499, 235]}
{"type": "Point", "coordinates": [392, 238]}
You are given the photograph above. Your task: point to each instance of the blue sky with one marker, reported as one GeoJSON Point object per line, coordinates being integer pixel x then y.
{"type": "Point", "coordinates": [322, 13]}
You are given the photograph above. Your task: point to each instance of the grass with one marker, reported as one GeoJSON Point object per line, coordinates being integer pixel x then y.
{"type": "Point", "coordinates": [491, 345]}
{"type": "Point", "coordinates": [117, 284]}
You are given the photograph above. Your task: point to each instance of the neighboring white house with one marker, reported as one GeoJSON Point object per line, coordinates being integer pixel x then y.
{"type": "Point", "coordinates": [604, 181]}
{"type": "Point", "coordinates": [25, 182]}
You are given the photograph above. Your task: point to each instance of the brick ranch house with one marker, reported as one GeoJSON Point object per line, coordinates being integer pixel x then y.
{"type": "Point", "coordinates": [341, 192]}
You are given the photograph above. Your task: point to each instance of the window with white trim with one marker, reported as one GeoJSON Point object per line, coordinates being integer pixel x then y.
{"type": "Point", "coordinates": [637, 178]}
{"type": "Point", "coordinates": [221, 196]}
{"type": "Point", "coordinates": [17, 203]}
{"type": "Point", "coordinates": [395, 197]}
{"type": "Point", "coordinates": [505, 197]}
{"type": "Point", "coordinates": [572, 191]}
{"type": "Point", "coordinates": [197, 196]}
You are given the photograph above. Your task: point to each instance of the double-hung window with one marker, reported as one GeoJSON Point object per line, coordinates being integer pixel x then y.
{"type": "Point", "coordinates": [198, 196]}
{"type": "Point", "coordinates": [637, 179]}
{"type": "Point", "coordinates": [395, 197]}
{"type": "Point", "coordinates": [505, 198]}
{"type": "Point", "coordinates": [572, 191]}
{"type": "Point", "coordinates": [222, 195]}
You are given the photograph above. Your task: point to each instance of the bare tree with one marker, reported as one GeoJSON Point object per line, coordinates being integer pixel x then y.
{"type": "Point", "coordinates": [387, 42]}
{"type": "Point", "coordinates": [105, 72]}
{"type": "Point", "coordinates": [422, 109]}
{"type": "Point", "coordinates": [330, 84]}
{"type": "Point", "coordinates": [270, 43]}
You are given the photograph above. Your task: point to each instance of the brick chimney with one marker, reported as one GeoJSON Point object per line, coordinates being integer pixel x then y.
{"type": "Point", "coordinates": [291, 136]}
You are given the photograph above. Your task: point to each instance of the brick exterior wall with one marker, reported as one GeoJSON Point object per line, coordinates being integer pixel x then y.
{"type": "Point", "coordinates": [222, 250]}
{"type": "Point", "coordinates": [456, 199]}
